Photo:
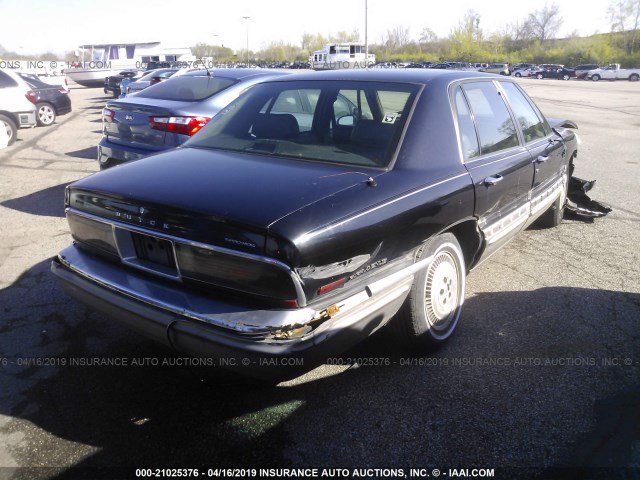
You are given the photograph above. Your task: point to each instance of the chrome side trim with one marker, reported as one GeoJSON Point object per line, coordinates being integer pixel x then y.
{"type": "Point", "coordinates": [503, 226]}
{"type": "Point", "coordinates": [301, 297]}
{"type": "Point", "coordinates": [547, 197]}
{"type": "Point", "coordinates": [307, 236]}
{"type": "Point", "coordinates": [532, 208]}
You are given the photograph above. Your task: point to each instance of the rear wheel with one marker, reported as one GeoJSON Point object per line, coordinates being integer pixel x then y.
{"type": "Point", "coordinates": [46, 114]}
{"type": "Point", "coordinates": [634, 77]}
{"type": "Point", "coordinates": [539, 76]}
{"type": "Point", "coordinates": [595, 77]}
{"type": "Point", "coordinates": [11, 128]}
{"type": "Point", "coordinates": [432, 310]}
{"type": "Point", "coordinates": [553, 216]}
{"type": "Point", "coordinates": [566, 77]}
{"type": "Point", "coordinates": [518, 74]}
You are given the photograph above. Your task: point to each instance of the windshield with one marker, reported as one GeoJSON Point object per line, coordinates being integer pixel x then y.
{"type": "Point", "coordinates": [187, 89]}
{"type": "Point", "coordinates": [346, 122]}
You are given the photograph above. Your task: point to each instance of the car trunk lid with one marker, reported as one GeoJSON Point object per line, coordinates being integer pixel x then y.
{"type": "Point", "coordinates": [129, 123]}
{"type": "Point", "coordinates": [224, 198]}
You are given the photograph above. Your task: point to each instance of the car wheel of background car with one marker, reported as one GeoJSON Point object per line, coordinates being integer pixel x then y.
{"type": "Point", "coordinates": [539, 76]}
{"type": "Point", "coordinates": [432, 309]}
{"type": "Point", "coordinates": [595, 78]}
{"type": "Point", "coordinates": [553, 216]}
{"type": "Point", "coordinates": [633, 77]}
{"type": "Point", "coordinates": [566, 77]}
{"type": "Point", "coordinates": [46, 114]}
{"type": "Point", "coordinates": [11, 128]}
{"type": "Point", "coordinates": [518, 74]}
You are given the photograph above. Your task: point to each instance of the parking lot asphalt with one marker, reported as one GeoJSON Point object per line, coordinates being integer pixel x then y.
{"type": "Point", "coordinates": [541, 379]}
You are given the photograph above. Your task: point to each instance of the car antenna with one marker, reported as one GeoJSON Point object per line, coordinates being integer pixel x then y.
{"type": "Point", "coordinates": [370, 180]}
{"type": "Point", "coordinates": [205, 67]}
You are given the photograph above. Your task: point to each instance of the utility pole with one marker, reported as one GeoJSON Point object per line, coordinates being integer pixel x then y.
{"type": "Point", "coordinates": [247, 24]}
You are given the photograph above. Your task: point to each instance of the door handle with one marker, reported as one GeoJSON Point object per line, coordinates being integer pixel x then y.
{"type": "Point", "coordinates": [490, 181]}
{"type": "Point", "coordinates": [542, 158]}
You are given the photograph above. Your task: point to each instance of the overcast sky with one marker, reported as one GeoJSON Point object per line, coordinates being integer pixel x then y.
{"type": "Point", "coordinates": [36, 26]}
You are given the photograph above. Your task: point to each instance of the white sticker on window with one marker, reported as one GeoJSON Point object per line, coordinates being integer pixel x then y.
{"type": "Point", "coordinates": [390, 118]}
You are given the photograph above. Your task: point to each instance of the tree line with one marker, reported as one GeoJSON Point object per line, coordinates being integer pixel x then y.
{"type": "Point", "coordinates": [530, 39]}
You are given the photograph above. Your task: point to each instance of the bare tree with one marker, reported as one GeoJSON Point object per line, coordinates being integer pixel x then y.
{"type": "Point", "coordinates": [625, 18]}
{"type": "Point", "coordinates": [545, 23]}
{"type": "Point", "coordinates": [428, 36]}
{"type": "Point", "coordinates": [397, 38]}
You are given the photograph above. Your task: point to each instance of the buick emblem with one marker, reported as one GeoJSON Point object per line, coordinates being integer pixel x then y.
{"type": "Point", "coordinates": [129, 118]}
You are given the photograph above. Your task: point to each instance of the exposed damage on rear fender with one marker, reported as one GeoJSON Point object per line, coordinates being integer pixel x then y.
{"type": "Point", "coordinates": [578, 204]}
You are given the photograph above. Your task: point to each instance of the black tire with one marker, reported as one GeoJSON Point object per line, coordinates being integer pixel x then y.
{"type": "Point", "coordinates": [634, 77]}
{"type": "Point", "coordinates": [12, 128]}
{"type": "Point", "coordinates": [518, 74]}
{"type": "Point", "coordinates": [431, 312]}
{"type": "Point", "coordinates": [595, 77]}
{"type": "Point", "coordinates": [553, 216]}
{"type": "Point", "coordinates": [45, 114]}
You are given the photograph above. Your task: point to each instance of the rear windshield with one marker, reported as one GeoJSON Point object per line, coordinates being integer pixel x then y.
{"type": "Point", "coordinates": [346, 122]}
{"type": "Point", "coordinates": [187, 89]}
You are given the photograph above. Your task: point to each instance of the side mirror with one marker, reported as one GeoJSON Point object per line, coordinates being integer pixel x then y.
{"type": "Point", "coordinates": [346, 121]}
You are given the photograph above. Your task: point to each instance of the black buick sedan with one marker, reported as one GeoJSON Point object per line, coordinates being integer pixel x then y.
{"type": "Point", "coordinates": [315, 209]}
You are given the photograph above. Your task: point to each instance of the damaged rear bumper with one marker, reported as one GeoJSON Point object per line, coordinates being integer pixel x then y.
{"type": "Point", "coordinates": [579, 204]}
{"type": "Point", "coordinates": [269, 344]}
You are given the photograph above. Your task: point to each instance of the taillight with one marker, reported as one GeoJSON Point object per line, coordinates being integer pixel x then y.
{"type": "Point", "coordinates": [32, 97]}
{"type": "Point", "coordinates": [107, 115]}
{"type": "Point", "coordinates": [182, 125]}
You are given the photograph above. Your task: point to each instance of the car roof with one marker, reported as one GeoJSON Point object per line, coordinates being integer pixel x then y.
{"type": "Point", "coordinates": [411, 75]}
{"type": "Point", "coordinates": [235, 73]}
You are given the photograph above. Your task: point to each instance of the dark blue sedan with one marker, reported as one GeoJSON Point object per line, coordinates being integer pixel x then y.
{"type": "Point", "coordinates": [314, 210]}
{"type": "Point", "coordinates": [51, 101]}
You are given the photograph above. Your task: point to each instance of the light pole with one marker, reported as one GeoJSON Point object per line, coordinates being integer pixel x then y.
{"type": "Point", "coordinates": [247, 26]}
{"type": "Point", "coordinates": [366, 33]}
{"type": "Point", "coordinates": [215, 55]}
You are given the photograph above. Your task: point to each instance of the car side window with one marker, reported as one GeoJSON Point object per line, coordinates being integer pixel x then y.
{"type": "Point", "coordinates": [7, 81]}
{"type": "Point", "coordinates": [533, 127]}
{"type": "Point", "coordinates": [493, 120]}
{"type": "Point", "coordinates": [468, 138]}
{"type": "Point", "coordinates": [357, 98]}
{"type": "Point", "coordinates": [288, 102]}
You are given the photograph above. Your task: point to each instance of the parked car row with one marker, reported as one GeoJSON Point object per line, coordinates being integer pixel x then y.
{"type": "Point", "coordinates": [17, 106]}
{"type": "Point", "coordinates": [27, 101]}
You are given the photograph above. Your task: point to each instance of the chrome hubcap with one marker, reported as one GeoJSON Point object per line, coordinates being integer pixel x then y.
{"type": "Point", "coordinates": [442, 290]}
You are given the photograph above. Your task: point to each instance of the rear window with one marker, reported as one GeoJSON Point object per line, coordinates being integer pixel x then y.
{"type": "Point", "coordinates": [187, 89]}
{"type": "Point", "coordinates": [7, 81]}
{"type": "Point", "coordinates": [344, 122]}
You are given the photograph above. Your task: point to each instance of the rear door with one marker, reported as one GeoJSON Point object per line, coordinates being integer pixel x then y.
{"type": "Point", "coordinates": [501, 168]}
{"type": "Point", "coordinates": [546, 148]}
